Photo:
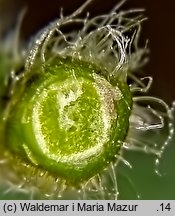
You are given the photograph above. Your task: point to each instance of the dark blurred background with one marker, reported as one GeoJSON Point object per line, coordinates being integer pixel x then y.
{"type": "Point", "coordinates": [159, 29]}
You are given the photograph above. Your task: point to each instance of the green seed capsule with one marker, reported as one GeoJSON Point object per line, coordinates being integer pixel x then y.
{"type": "Point", "coordinates": [69, 120]}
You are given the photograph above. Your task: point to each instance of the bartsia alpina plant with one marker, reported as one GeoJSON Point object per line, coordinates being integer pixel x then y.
{"type": "Point", "coordinates": [73, 102]}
